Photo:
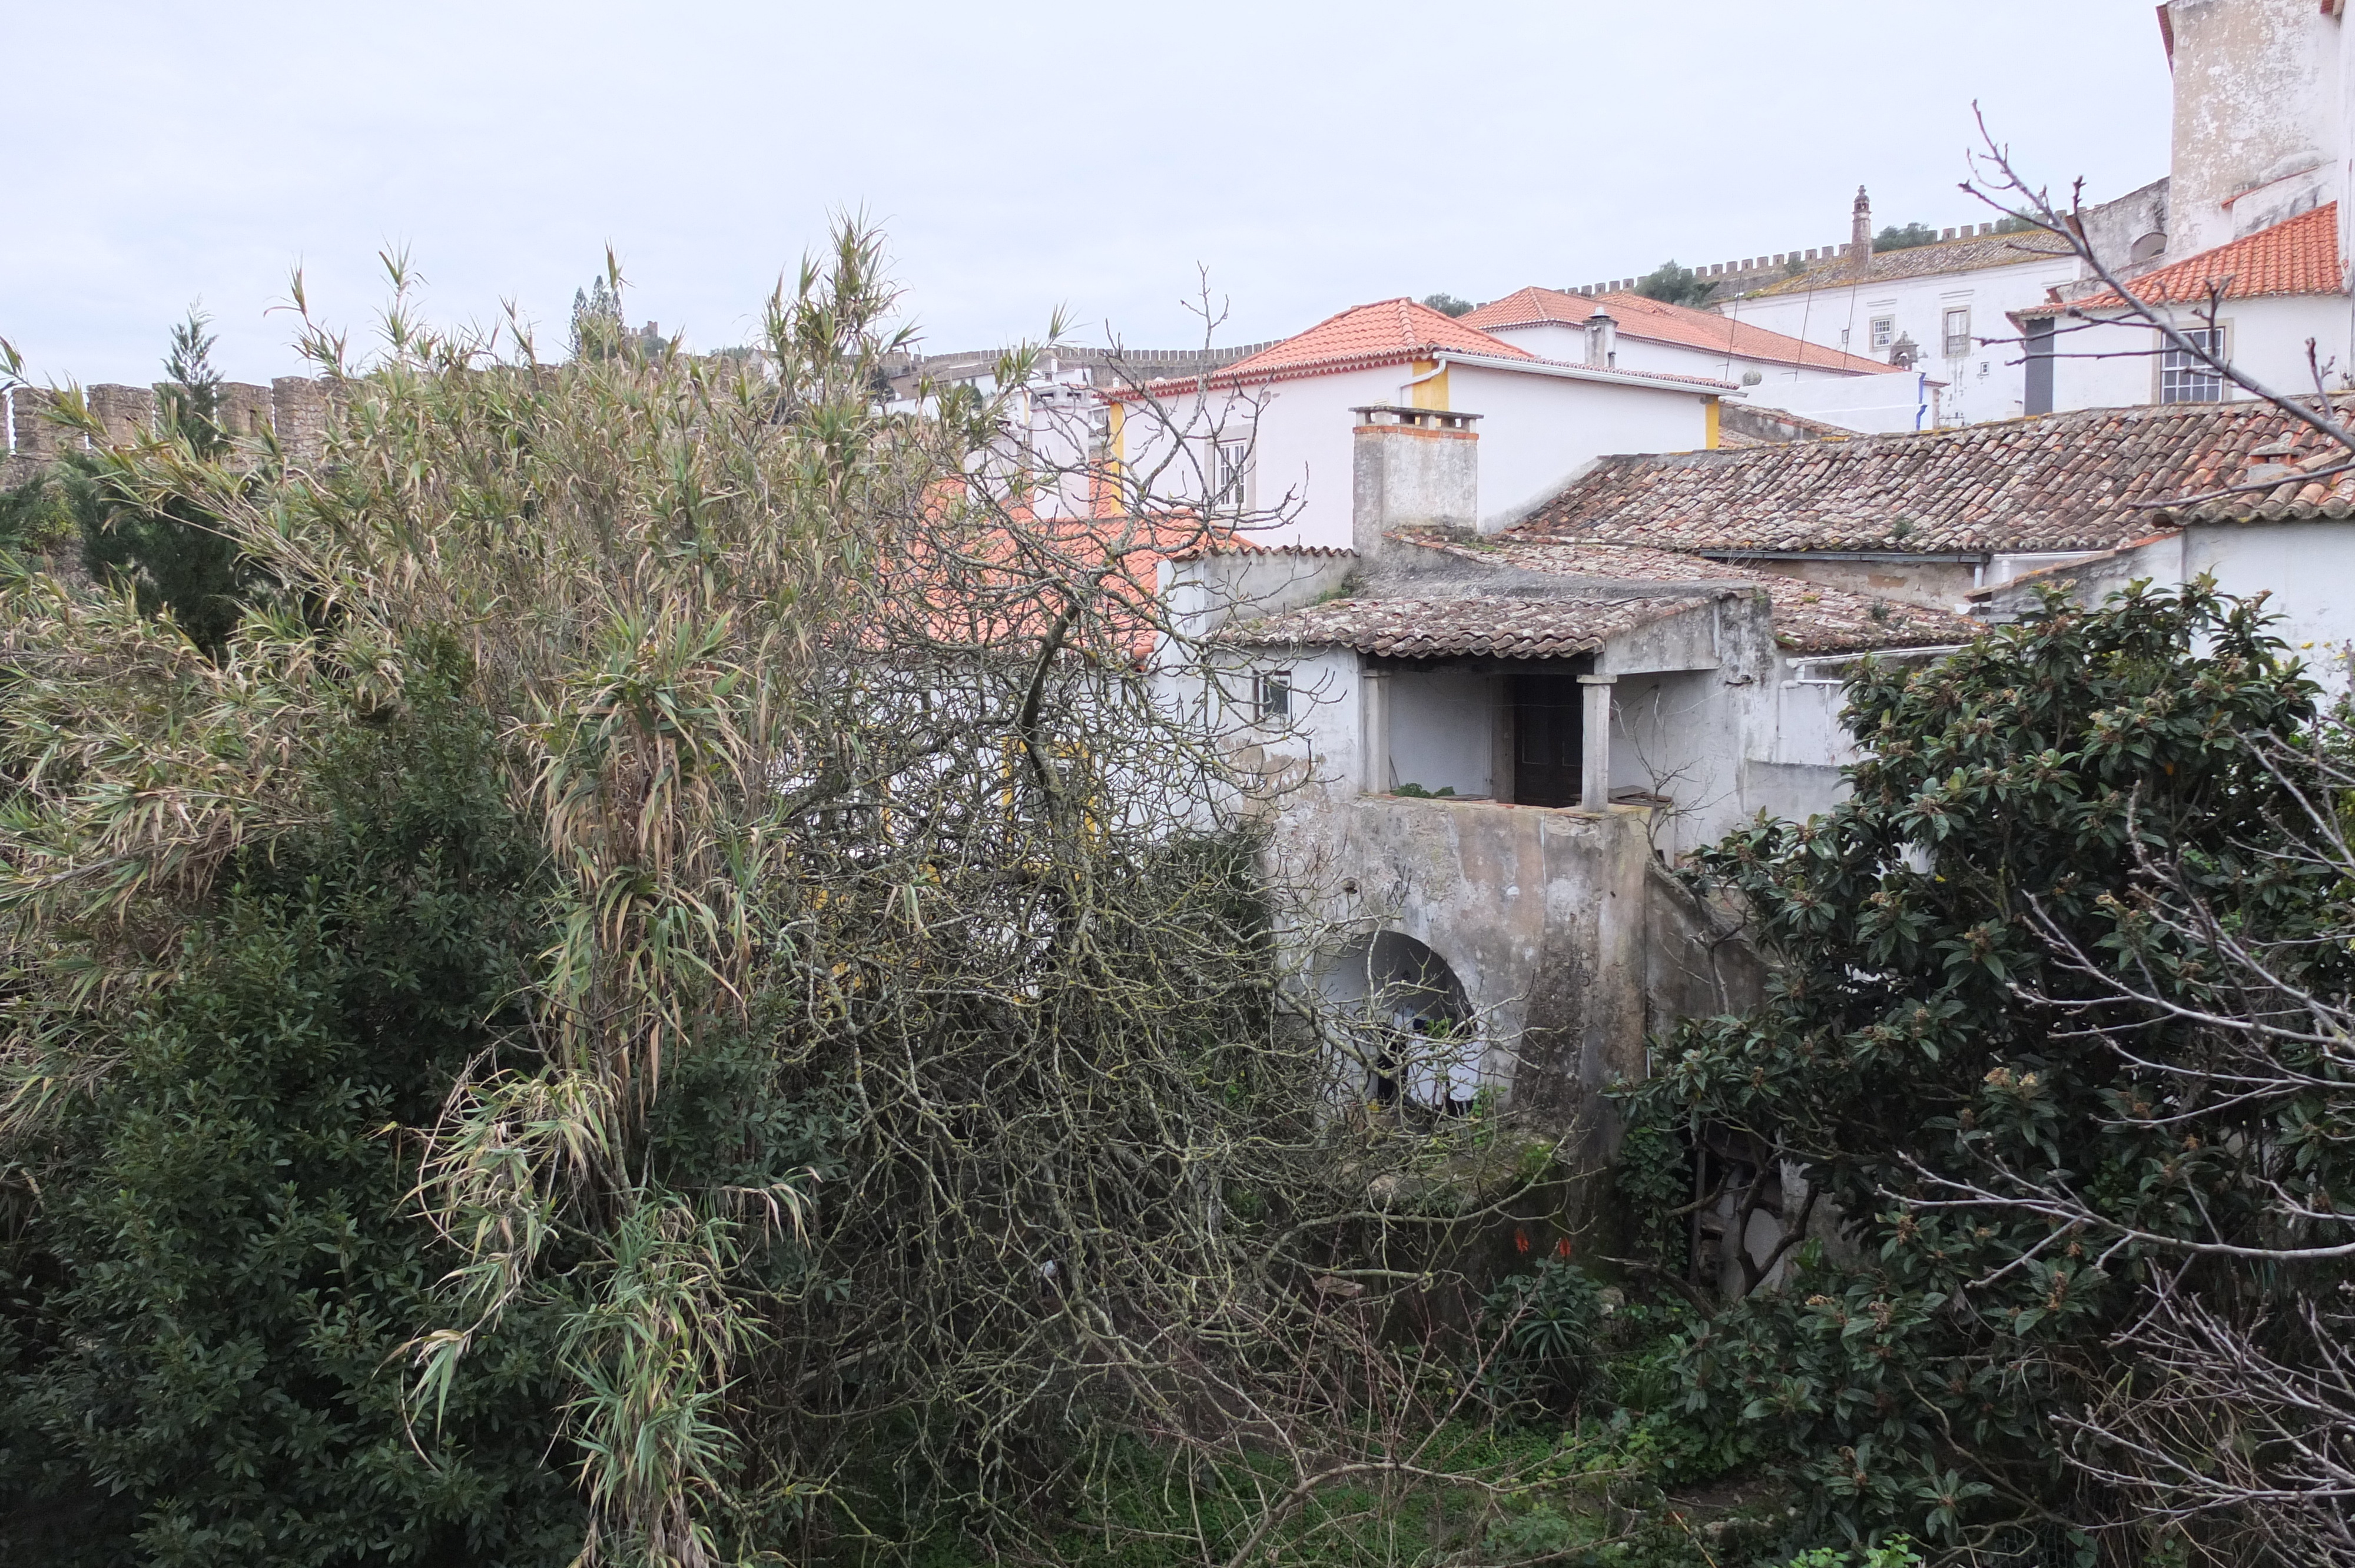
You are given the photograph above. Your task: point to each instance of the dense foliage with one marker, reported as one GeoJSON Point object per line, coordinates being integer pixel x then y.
{"type": "Point", "coordinates": [665, 988]}
{"type": "Point", "coordinates": [1946, 1044]}
{"type": "Point", "coordinates": [211, 1258]}
{"type": "Point", "coordinates": [168, 544]}
{"type": "Point", "coordinates": [1674, 285]}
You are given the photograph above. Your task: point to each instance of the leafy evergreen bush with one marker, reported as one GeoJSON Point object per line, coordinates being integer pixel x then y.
{"type": "Point", "coordinates": [1922, 1032]}
{"type": "Point", "coordinates": [211, 1300]}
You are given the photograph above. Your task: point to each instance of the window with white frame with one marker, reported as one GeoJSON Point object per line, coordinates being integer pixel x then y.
{"type": "Point", "coordinates": [1884, 333]}
{"type": "Point", "coordinates": [1957, 331]}
{"type": "Point", "coordinates": [2185, 377]}
{"type": "Point", "coordinates": [1230, 465]}
{"type": "Point", "coordinates": [1272, 694]}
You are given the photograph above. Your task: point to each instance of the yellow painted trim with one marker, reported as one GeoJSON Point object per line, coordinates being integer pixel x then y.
{"type": "Point", "coordinates": [1116, 437]}
{"type": "Point", "coordinates": [1430, 394]}
{"type": "Point", "coordinates": [1710, 425]}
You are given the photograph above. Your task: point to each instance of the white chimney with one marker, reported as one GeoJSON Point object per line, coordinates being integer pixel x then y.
{"type": "Point", "coordinates": [1412, 468]}
{"type": "Point", "coordinates": [1601, 339]}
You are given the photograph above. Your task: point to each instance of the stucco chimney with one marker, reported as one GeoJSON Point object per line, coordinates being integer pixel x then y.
{"type": "Point", "coordinates": [1412, 468]}
{"type": "Point", "coordinates": [1859, 233]}
{"type": "Point", "coordinates": [1601, 339]}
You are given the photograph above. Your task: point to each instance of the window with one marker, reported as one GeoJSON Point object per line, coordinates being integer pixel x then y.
{"type": "Point", "coordinates": [1957, 321]}
{"type": "Point", "coordinates": [2184, 378]}
{"type": "Point", "coordinates": [1884, 333]}
{"type": "Point", "coordinates": [1229, 462]}
{"type": "Point", "coordinates": [1273, 697]}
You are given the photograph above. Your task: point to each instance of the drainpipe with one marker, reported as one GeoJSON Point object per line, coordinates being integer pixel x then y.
{"type": "Point", "coordinates": [1594, 743]}
{"type": "Point", "coordinates": [1406, 388]}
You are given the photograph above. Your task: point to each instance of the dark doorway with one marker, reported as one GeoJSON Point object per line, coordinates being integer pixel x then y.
{"type": "Point", "coordinates": [2038, 398]}
{"type": "Point", "coordinates": [1548, 717]}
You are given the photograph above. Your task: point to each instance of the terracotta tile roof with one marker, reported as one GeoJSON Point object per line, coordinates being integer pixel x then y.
{"type": "Point", "coordinates": [2297, 256]}
{"type": "Point", "coordinates": [1366, 337]}
{"type": "Point", "coordinates": [1483, 625]}
{"type": "Point", "coordinates": [2087, 480]}
{"type": "Point", "coordinates": [1247, 547]}
{"type": "Point", "coordinates": [1385, 333]}
{"type": "Point", "coordinates": [1646, 318]}
{"type": "Point", "coordinates": [2301, 489]}
{"type": "Point", "coordinates": [1808, 618]}
{"type": "Point", "coordinates": [1927, 262]}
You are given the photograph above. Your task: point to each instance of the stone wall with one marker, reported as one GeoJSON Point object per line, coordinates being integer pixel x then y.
{"type": "Point", "coordinates": [293, 407]}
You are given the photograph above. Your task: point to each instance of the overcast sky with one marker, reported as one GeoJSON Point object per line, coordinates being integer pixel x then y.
{"type": "Point", "coordinates": [1311, 156]}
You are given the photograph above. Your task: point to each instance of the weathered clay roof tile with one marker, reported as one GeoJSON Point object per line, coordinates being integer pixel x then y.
{"type": "Point", "coordinates": [1474, 625]}
{"type": "Point", "coordinates": [1808, 617]}
{"type": "Point", "coordinates": [2087, 480]}
{"type": "Point", "coordinates": [1957, 255]}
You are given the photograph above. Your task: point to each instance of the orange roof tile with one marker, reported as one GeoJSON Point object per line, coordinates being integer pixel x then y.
{"type": "Point", "coordinates": [1388, 332]}
{"type": "Point", "coordinates": [1647, 318]}
{"type": "Point", "coordinates": [2296, 256]}
{"type": "Point", "coordinates": [1366, 337]}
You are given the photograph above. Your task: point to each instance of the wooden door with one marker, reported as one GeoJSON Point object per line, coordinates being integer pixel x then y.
{"type": "Point", "coordinates": [1547, 719]}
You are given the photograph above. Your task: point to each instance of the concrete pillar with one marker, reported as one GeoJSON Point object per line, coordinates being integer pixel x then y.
{"type": "Point", "coordinates": [1373, 731]}
{"type": "Point", "coordinates": [1594, 743]}
{"type": "Point", "coordinates": [127, 412]}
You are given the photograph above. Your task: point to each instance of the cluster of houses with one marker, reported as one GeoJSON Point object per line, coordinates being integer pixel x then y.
{"type": "Point", "coordinates": [1522, 603]}
{"type": "Point", "coordinates": [1547, 593]}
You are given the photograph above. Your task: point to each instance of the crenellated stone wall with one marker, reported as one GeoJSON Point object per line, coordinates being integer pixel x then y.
{"type": "Point", "coordinates": [293, 407]}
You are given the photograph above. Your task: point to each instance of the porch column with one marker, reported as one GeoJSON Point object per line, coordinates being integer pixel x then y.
{"type": "Point", "coordinates": [1373, 732]}
{"type": "Point", "coordinates": [1594, 743]}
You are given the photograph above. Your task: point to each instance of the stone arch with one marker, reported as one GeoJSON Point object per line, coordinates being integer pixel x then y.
{"type": "Point", "coordinates": [1416, 1037]}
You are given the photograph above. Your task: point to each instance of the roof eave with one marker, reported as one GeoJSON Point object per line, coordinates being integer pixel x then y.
{"type": "Point", "coordinates": [1555, 367]}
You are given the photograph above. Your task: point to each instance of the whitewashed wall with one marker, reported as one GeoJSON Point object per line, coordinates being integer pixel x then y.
{"type": "Point", "coordinates": [1985, 384]}
{"type": "Point", "coordinates": [1552, 339]}
{"type": "Point", "coordinates": [1535, 431]}
{"type": "Point", "coordinates": [2107, 365]}
{"type": "Point", "coordinates": [2308, 571]}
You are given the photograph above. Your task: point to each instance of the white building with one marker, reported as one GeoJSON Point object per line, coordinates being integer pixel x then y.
{"type": "Point", "coordinates": [2265, 301]}
{"type": "Point", "coordinates": [1271, 435]}
{"type": "Point", "coordinates": [1931, 307]}
{"type": "Point", "coordinates": [2293, 540]}
{"type": "Point", "coordinates": [1773, 370]}
{"type": "Point", "coordinates": [2260, 136]}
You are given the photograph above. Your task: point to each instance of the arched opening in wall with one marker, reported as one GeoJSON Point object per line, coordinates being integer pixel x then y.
{"type": "Point", "coordinates": [1406, 1028]}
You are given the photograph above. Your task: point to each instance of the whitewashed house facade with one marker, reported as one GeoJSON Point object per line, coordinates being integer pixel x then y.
{"type": "Point", "coordinates": [1269, 435]}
